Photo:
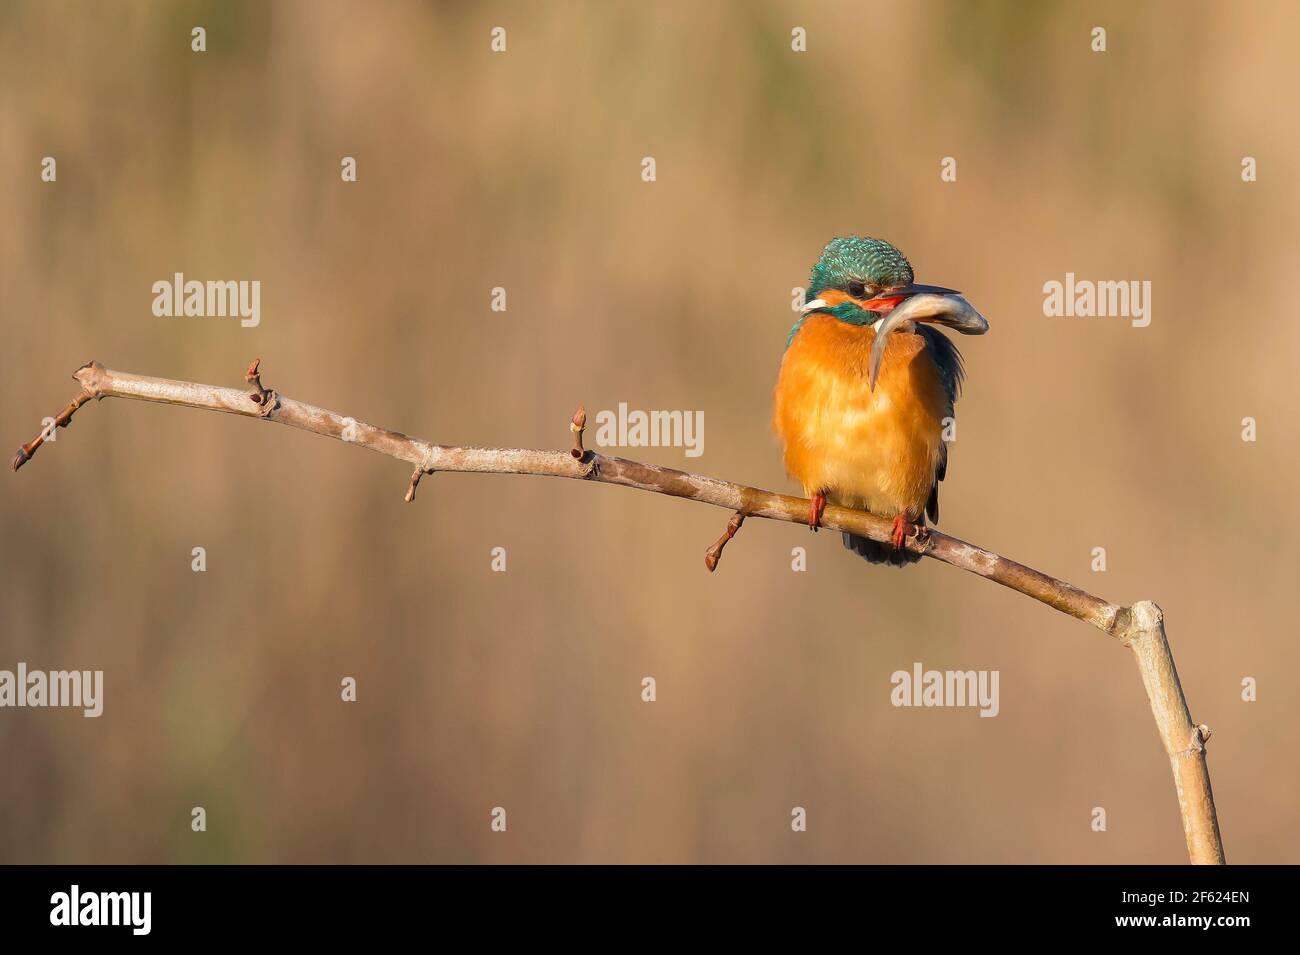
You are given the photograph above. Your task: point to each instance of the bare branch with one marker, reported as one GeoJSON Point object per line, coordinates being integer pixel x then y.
{"type": "Point", "coordinates": [1141, 628]}
{"type": "Point", "coordinates": [1184, 740]}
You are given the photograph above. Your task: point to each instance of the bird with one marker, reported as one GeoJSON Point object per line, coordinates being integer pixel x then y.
{"type": "Point", "coordinates": [867, 387]}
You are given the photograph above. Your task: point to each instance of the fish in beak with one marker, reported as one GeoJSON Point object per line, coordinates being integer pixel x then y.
{"type": "Point", "coordinates": [904, 307]}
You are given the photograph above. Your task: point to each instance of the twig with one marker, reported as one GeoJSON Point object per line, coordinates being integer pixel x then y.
{"type": "Point", "coordinates": [1140, 627]}
{"type": "Point", "coordinates": [577, 426]}
{"type": "Point", "coordinates": [714, 553]}
{"type": "Point", "coordinates": [415, 482]}
{"type": "Point", "coordinates": [61, 420]}
{"type": "Point", "coordinates": [253, 378]}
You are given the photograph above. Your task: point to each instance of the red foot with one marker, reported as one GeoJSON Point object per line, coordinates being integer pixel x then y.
{"type": "Point", "coordinates": [902, 528]}
{"type": "Point", "coordinates": [815, 507]}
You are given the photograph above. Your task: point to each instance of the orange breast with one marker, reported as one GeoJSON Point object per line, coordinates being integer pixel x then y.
{"type": "Point", "coordinates": [876, 450]}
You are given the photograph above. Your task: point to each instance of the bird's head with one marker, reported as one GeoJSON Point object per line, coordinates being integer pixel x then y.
{"type": "Point", "coordinates": [865, 281]}
{"type": "Point", "coordinates": [854, 271]}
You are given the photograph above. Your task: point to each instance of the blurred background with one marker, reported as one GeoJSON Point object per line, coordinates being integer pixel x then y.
{"type": "Point", "coordinates": [522, 170]}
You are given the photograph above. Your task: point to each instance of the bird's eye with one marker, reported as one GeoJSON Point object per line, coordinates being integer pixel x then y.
{"type": "Point", "coordinates": [857, 289]}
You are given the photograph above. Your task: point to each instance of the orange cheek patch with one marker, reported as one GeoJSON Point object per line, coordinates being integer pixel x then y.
{"type": "Point", "coordinates": [833, 296]}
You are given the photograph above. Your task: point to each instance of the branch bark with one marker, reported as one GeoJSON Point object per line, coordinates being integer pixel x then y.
{"type": "Point", "coordinates": [1140, 627]}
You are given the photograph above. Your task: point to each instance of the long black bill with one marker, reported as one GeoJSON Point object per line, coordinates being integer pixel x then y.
{"type": "Point", "coordinates": [942, 307]}
{"type": "Point", "coordinates": [910, 290]}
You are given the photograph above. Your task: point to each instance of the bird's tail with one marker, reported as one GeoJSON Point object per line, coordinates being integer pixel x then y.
{"type": "Point", "coordinates": [874, 552]}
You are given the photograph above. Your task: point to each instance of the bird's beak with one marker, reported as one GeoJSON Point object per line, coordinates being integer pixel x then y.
{"type": "Point", "coordinates": [923, 303]}
{"type": "Point", "coordinates": [907, 291]}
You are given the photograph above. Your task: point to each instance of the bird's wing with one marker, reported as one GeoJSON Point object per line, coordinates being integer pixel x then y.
{"type": "Point", "coordinates": [947, 360]}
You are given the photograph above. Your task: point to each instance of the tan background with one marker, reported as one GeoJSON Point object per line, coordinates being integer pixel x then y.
{"type": "Point", "coordinates": [522, 170]}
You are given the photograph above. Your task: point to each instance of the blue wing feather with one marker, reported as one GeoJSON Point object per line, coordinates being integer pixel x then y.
{"type": "Point", "coordinates": [947, 359]}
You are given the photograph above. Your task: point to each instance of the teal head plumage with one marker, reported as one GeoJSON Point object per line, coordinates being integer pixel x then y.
{"type": "Point", "coordinates": [854, 265]}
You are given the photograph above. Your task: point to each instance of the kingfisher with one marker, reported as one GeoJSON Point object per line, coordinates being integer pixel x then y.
{"type": "Point", "coordinates": [866, 389]}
